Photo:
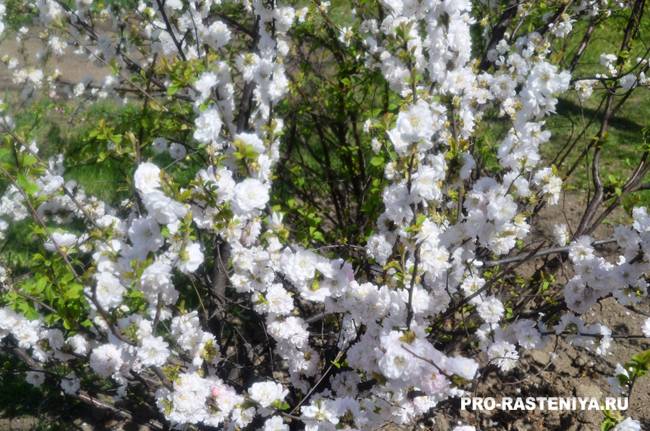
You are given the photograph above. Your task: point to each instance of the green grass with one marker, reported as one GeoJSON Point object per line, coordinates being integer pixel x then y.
{"type": "Point", "coordinates": [94, 140]}
{"type": "Point", "coordinates": [628, 128]}
{"type": "Point", "coordinates": [63, 128]}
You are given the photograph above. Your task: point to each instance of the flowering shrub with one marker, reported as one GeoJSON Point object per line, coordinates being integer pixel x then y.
{"type": "Point", "coordinates": [213, 297]}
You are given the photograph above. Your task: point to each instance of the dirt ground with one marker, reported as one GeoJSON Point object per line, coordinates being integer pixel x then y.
{"type": "Point", "coordinates": [72, 67]}
{"type": "Point", "coordinates": [562, 370]}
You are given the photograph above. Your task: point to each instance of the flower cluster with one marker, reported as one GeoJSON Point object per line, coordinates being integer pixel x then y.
{"type": "Point", "coordinates": [167, 279]}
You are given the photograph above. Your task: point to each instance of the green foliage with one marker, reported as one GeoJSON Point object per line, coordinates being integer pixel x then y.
{"type": "Point", "coordinates": [637, 367]}
{"type": "Point", "coordinates": [102, 144]}
{"type": "Point", "coordinates": [53, 286]}
{"type": "Point", "coordinates": [18, 14]}
{"type": "Point", "coordinates": [330, 162]}
{"type": "Point", "coordinates": [49, 410]}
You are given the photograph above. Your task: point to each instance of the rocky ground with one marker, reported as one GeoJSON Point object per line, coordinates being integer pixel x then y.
{"type": "Point", "coordinates": [562, 370]}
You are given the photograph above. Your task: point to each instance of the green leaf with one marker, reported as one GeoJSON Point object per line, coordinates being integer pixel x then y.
{"type": "Point", "coordinates": [5, 154]}
{"type": "Point", "coordinates": [377, 161]}
{"type": "Point", "coordinates": [74, 291]}
{"type": "Point", "coordinates": [29, 187]}
{"type": "Point", "coordinates": [172, 89]}
{"type": "Point", "coordinates": [29, 160]}
{"type": "Point", "coordinates": [281, 405]}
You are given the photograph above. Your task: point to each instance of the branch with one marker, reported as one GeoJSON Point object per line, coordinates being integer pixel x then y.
{"type": "Point", "coordinates": [546, 252]}
{"type": "Point", "coordinates": [168, 26]}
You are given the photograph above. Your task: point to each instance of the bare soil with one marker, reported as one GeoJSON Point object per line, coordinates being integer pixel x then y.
{"type": "Point", "coordinates": [72, 67]}
{"type": "Point", "coordinates": [562, 370]}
